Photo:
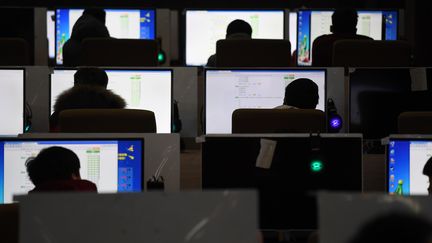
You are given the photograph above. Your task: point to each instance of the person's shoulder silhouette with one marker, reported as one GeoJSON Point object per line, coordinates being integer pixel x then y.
{"type": "Point", "coordinates": [237, 30]}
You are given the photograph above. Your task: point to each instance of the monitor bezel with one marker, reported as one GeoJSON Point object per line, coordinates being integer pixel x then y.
{"type": "Point", "coordinates": [23, 69]}
{"type": "Point", "coordinates": [204, 110]}
{"type": "Point", "coordinates": [383, 30]}
{"type": "Point", "coordinates": [126, 8]}
{"type": "Point", "coordinates": [185, 11]}
{"type": "Point", "coordinates": [119, 69]}
{"type": "Point", "coordinates": [64, 138]}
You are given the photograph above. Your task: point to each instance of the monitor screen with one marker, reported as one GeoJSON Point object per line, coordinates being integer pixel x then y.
{"type": "Point", "coordinates": [406, 159]}
{"type": "Point", "coordinates": [51, 33]}
{"type": "Point", "coordinates": [112, 164]}
{"type": "Point", "coordinates": [376, 98]}
{"type": "Point", "coordinates": [11, 101]}
{"type": "Point", "coordinates": [205, 27]}
{"type": "Point", "coordinates": [298, 166]}
{"type": "Point", "coordinates": [379, 25]}
{"type": "Point", "coordinates": [141, 89]}
{"type": "Point", "coordinates": [228, 90]}
{"type": "Point", "coordinates": [121, 23]}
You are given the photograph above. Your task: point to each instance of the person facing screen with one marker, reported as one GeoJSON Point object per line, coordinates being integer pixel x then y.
{"type": "Point", "coordinates": [91, 24]}
{"type": "Point", "coordinates": [236, 30]}
{"type": "Point", "coordinates": [344, 26]}
{"type": "Point", "coordinates": [89, 92]}
{"type": "Point", "coordinates": [301, 93]}
{"type": "Point", "coordinates": [427, 171]}
{"type": "Point", "coordinates": [57, 169]}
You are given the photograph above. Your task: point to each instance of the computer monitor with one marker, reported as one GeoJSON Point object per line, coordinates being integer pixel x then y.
{"type": "Point", "coordinates": [51, 33]}
{"type": "Point", "coordinates": [286, 169]}
{"type": "Point", "coordinates": [227, 90]}
{"type": "Point", "coordinates": [121, 23]}
{"type": "Point", "coordinates": [376, 98]}
{"type": "Point", "coordinates": [379, 25]}
{"type": "Point", "coordinates": [141, 89]}
{"type": "Point", "coordinates": [205, 27]}
{"type": "Point", "coordinates": [406, 158]}
{"type": "Point", "coordinates": [12, 95]}
{"type": "Point", "coordinates": [114, 165]}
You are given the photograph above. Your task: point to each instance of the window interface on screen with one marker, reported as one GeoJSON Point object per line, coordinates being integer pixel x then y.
{"type": "Point", "coordinates": [11, 101]}
{"type": "Point", "coordinates": [406, 160]}
{"type": "Point", "coordinates": [113, 165]}
{"type": "Point", "coordinates": [228, 90]}
{"type": "Point", "coordinates": [205, 27]}
{"type": "Point", "coordinates": [121, 23]}
{"type": "Point", "coordinates": [141, 89]}
{"type": "Point", "coordinates": [51, 33]}
{"type": "Point", "coordinates": [312, 24]}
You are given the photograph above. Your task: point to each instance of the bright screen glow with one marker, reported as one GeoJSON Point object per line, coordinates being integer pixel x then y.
{"type": "Point", "coordinates": [293, 30]}
{"type": "Point", "coordinates": [205, 27]}
{"type": "Point", "coordinates": [228, 90]}
{"type": "Point", "coordinates": [312, 24]}
{"type": "Point", "coordinates": [11, 101]}
{"type": "Point", "coordinates": [121, 23]}
{"type": "Point", "coordinates": [405, 163]}
{"type": "Point", "coordinates": [141, 89]}
{"type": "Point", "coordinates": [51, 33]}
{"type": "Point", "coordinates": [113, 165]}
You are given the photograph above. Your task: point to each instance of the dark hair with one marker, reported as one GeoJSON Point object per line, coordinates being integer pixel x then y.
{"type": "Point", "coordinates": [427, 169]}
{"type": "Point", "coordinates": [98, 13]}
{"type": "Point", "coordinates": [239, 26]}
{"type": "Point", "coordinates": [302, 93]}
{"type": "Point", "coordinates": [395, 228]}
{"type": "Point", "coordinates": [344, 21]}
{"type": "Point", "coordinates": [91, 76]}
{"type": "Point", "coordinates": [53, 163]}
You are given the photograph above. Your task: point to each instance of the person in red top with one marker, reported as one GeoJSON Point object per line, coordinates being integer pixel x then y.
{"type": "Point", "coordinates": [57, 169]}
{"type": "Point", "coordinates": [344, 26]}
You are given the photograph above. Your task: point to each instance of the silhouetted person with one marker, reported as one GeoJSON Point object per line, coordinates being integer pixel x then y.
{"type": "Point", "coordinates": [344, 26]}
{"type": "Point", "coordinates": [57, 169]}
{"type": "Point", "coordinates": [427, 171]}
{"type": "Point", "coordinates": [236, 30]}
{"type": "Point", "coordinates": [91, 24]}
{"type": "Point", "coordinates": [301, 93]}
{"type": "Point", "coordinates": [89, 92]}
{"type": "Point", "coordinates": [395, 228]}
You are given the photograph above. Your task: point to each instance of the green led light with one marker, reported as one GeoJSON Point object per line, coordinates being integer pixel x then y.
{"type": "Point", "coordinates": [316, 166]}
{"type": "Point", "coordinates": [161, 57]}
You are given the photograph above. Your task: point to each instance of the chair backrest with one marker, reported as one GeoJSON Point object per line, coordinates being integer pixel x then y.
{"type": "Point", "coordinates": [9, 223]}
{"type": "Point", "coordinates": [419, 122]}
{"type": "Point", "coordinates": [14, 52]}
{"type": "Point", "coordinates": [363, 53]}
{"type": "Point", "coordinates": [107, 120]}
{"type": "Point", "coordinates": [278, 121]}
{"type": "Point", "coordinates": [253, 53]}
{"type": "Point", "coordinates": [119, 52]}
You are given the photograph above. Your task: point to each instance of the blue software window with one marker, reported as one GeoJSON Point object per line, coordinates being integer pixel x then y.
{"type": "Point", "coordinates": [405, 163]}
{"type": "Point", "coordinates": [113, 165]}
{"type": "Point", "coordinates": [121, 23]}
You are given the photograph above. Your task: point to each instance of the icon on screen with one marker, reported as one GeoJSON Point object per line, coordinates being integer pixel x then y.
{"type": "Point", "coordinates": [392, 151]}
{"type": "Point", "coordinates": [392, 144]}
{"type": "Point", "coordinates": [392, 160]}
{"type": "Point", "coordinates": [392, 178]}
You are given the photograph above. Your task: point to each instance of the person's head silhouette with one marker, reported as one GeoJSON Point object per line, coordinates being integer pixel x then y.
{"type": "Point", "coordinates": [396, 228]}
{"type": "Point", "coordinates": [344, 21]}
{"type": "Point", "coordinates": [53, 164]}
{"type": "Point", "coordinates": [91, 76]}
{"type": "Point", "coordinates": [238, 26]}
{"type": "Point", "coordinates": [97, 13]}
{"type": "Point", "coordinates": [302, 93]}
{"type": "Point", "coordinates": [427, 171]}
